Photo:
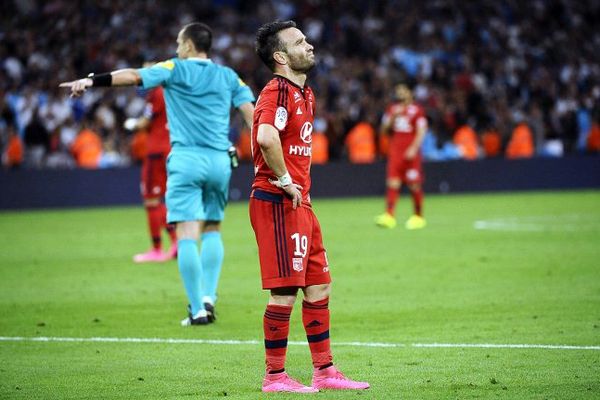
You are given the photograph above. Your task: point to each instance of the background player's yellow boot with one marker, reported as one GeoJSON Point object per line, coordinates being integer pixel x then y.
{"type": "Point", "coordinates": [415, 222]}
{"type": "Point", "coordinates": [385, 220]}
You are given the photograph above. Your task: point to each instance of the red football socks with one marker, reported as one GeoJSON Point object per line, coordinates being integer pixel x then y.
{"type": "Point", "coordinates": [315, 318]}
{"type": "Point", "coordinates": [156, 220]}
{"type": "Point", "coordinates": [417, 196]}
{"type": "Point", "coordinates": [172, 232]}
{"type": "Point", "coordinates": [276, 326]}
{"type": "Point", "coordinates": [391, 196]}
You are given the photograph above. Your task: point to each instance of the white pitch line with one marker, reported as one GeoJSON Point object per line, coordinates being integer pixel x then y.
{"type": "Point", "coordinates": [292, 343]}
{"type": "Point", "coordinates": [505, 346]}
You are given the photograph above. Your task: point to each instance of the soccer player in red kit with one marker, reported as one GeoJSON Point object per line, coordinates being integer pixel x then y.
{"type": "Point", "coordinates": [408, 125]}
{"type": "Point", "coordinates": [288, 234]}
{"type": "Point", "coordinates": [154, 177]}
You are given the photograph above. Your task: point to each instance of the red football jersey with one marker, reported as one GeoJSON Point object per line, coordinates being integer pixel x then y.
{"type": "Point", "coordinates": [404, 123]}
{"type": "Point", "coordinates": [158, 135]}
{"type": "Point", "coordinates": [290, 109]}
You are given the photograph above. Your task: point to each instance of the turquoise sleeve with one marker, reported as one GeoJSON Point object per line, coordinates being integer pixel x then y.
{"type": "Point", "coordinates": [157, 75]}
{"type": "Point", "coordinates": [241, 92]}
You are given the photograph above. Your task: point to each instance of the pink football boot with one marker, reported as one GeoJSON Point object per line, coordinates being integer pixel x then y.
{"type": "Point", "coordinates": [171, 254]}
{"type": "Point", "coordinates": [281, 382]}
{"type": "Point", "coordinates": [154, 255]}
{"type": "Point", "coordinates": [331, 378]}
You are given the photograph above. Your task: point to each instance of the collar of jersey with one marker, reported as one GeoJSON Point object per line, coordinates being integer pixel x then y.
{"type": "Point", "coordinates": [292, 83]}
{"type": "Point", "coordinates": [199, 59]}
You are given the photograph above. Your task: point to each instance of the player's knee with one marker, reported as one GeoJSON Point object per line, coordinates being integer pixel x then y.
{"type": "Point", "coordinates": [413, 187]}
{"type": "Point", "coordinates": [284, 296]}
{"type": "Point", "coordinates": [188, 230]}
{"type": "Point", "coordinates": [317, 292]}
{"type": "Point", "coordinates": [393, 183]}
{"type": "Point", "coordinates": [152, 202]}
{"type": "Point", "coordinates": [211, 226]}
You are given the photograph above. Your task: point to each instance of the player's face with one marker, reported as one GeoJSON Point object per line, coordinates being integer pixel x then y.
{"type": "Point", "coordinates": [403, 94]}
{"type": "Point", "coordinates": [182, 46]}
{"type": "Point", "coordinates": [299, 52]}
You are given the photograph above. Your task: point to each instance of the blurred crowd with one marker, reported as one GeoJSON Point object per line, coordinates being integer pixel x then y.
{"type": "Point", "coordinates": [488, 73]}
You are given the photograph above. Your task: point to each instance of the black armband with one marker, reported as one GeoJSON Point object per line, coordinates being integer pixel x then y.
{"type": "Point", "coordinates": [101, 80]}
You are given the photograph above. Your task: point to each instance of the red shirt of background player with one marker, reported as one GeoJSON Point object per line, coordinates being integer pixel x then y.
{"type": "Point", "coordinates": [404, 123]}
{"type": "Point", "coordinates": [158, 133]}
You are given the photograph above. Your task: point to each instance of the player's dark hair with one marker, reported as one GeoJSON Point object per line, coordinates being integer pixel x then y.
{"type": "Point", "coordinates": [267, 41]}
{"type": "Point", "coordinates": [200, 35]}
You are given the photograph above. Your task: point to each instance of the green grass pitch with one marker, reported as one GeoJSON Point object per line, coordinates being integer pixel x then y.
{"type": "Point", "coordinates": [504, 269]}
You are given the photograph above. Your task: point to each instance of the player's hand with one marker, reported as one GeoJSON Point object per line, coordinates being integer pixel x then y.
{"type": "Point", "coordinates": [78, 87]}
{"type": "Point", "coordinates": [293, 190]}
{"type": "Point", "coordinates": [131, 124]}
{"type": "Point", "coordinates": [410, 153]}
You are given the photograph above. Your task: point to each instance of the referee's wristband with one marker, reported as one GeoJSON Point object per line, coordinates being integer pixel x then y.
{"type": "Point", "coordinates": [101, 80]}
{"type": "Point", "coordinates": [285, 179]}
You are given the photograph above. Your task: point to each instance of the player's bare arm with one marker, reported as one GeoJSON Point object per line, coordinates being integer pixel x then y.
{"type": "Point", "coordinates": [270, 146]}
{"type": "Point", "coordinates": [414, 147]}
{"type": "Point", "coordinates": [121, 77]}
{"type": "Point", "coordinates": [385, 127]}
{"type": "Point", "coordinates": [247, 111]}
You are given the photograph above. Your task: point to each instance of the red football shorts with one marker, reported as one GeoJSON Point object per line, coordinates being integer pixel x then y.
{"type": "Point", "coordinates": [408, 171]}
{"type": "Point", "coordinates": [290, 245]}
{"type": "Point", "coordinates": [154, 176]}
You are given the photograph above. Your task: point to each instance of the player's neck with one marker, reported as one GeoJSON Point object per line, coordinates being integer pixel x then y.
{"type": "Point", "coordinates": [201, 56]}
{"type": "Point", "coordinates": [298, 78]}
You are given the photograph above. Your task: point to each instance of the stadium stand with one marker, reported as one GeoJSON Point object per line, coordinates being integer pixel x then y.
{"type": "Point", "coordinates": [488, 65]}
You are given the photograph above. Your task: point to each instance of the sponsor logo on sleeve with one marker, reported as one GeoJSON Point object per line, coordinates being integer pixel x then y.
{"type": "Point", "coordinates": [281, 117]}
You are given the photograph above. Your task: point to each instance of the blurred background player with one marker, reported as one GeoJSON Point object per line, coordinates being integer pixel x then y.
{"type": "Point", "coordinates": [153, 183]}
{"type": "Point", "coordinates": [288, 234]}
{"type": "Point", "coordinates": [199, 95]}
{"type": "Point", "coordinates": [408, 124]}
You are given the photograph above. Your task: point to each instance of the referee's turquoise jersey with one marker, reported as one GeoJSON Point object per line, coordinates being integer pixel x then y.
{"type": "Point", "coordinates": [199, 95]}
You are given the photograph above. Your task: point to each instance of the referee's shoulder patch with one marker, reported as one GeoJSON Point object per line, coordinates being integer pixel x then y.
{"type": "Point", "coordinates": [169, 64]}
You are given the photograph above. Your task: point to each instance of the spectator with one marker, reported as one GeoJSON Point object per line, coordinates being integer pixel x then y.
{"type": "Point", "coordinates": [14, 152]}
{"type": "Point", "coordinates": [491, 142]}
{"type": "Point", "coordinates": [467, 142]}
{"type": "Point", "coordinates": [474, 61]}
{"type": "Point", "coordinates": [360, 143]}
{"type": "Point", "coordinates": [87, 148]}
{"type": "Point", "coordinates": [521, 142]}
{"type": "Point", "coordinates": [593, 140]}
{"type": "Point", "coordinates": [320, 144]}
{"type": "Point", "coordinates": [37, 141]}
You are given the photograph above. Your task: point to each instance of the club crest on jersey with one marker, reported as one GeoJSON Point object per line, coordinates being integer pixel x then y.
{"type": "Point", "coordinates": [281, 117]}
{"type": "Point", "coordinates": [297, 264]}
{"type": "Point", "coordinates": [306, 132]}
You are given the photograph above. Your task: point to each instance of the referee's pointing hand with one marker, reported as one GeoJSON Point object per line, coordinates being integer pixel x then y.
{"type": "Point", "coordinates": [78, 87]}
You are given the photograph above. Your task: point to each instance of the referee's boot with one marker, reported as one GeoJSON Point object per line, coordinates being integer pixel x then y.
{"type": "Point", "coordinates": [200, 318]}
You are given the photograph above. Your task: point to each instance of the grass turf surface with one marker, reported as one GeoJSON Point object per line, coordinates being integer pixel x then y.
{"type": "Point", "coordinates": [500, 269]}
